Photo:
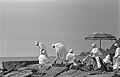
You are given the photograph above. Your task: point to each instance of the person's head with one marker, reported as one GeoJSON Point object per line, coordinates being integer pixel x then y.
{"type": "Point", "coordinates": [36, 43]}
{"type": "Point", "coordinates": [71, 51]}
{"type": "Point", "coordinates": [116, 45]}
{"type": "Point", "coordinates": [53, 45]}
{"type": "Point", "coordinates": [42, 51]}
{"type": "Point", "coordinates": [93, 45]}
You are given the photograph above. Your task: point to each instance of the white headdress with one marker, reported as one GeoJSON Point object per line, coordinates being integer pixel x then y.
{"type": "Point", "coordinates": [93, 44]}
{"type": "Point", "coordinates": [71, 51]}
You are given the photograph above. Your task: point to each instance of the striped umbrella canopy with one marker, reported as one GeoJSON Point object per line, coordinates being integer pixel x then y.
{"type": "Point", "coordinates": [100, 36]}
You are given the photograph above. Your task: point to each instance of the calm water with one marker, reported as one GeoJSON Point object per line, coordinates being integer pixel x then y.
{"type": "Point", "coordinates": [4, 59]}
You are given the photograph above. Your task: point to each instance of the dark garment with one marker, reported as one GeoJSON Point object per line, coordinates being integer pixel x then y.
{"type": "Point", "coordinates": [103, 65]}
{"type": "Point", "coordinates": [111, 57]}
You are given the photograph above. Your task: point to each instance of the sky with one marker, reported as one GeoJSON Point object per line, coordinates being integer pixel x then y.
{"type": "Point", "coordinates": [48, 21]}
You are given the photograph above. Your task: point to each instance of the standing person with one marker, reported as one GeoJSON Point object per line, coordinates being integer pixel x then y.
{"type": "Point", "coordinates": [95, 54]}
{"type": "Point", "coordinates": [60, 52]}
{"type": "Point", "coordinates": [116, 57]}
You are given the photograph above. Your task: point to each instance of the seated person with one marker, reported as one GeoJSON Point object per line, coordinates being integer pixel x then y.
{"type": "Point", "coordinates": [70, 58]}
{"type": "Point", "coordinates": [94, 57]}
{"type": "Point", "coordinates": [43, 60]}
{"type": "Point", "coordinates": [107, 59]}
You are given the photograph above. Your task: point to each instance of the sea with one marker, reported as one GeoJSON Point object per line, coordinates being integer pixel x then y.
{"type": "Point", "coordinates": [51, 59]}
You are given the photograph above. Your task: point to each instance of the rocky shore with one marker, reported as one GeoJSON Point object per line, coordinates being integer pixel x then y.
{"type": "Point", "coordinates": [32, 69]}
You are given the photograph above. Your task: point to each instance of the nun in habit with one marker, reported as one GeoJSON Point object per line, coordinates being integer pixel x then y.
{"type": "Point", "coordinates": [43, 57]}
{"type": "Point", "coordinates": [107, 59]}
{"type": "Point", "coordinates": [116, 58]}
{"type": "Point", "coordinates": [60, 52]}
{"type": "Point", "coordinates": [93, 57]}
{"type": "Point", "coordinates": [71, 59]}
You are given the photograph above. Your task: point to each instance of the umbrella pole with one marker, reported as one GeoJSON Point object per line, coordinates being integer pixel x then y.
{"type": "Point", "coordinates": [100, 44]}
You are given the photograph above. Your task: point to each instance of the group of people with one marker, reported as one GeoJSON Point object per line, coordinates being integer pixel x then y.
{"type": "Point", "coordinates": [94, 58]}
{"type": "Point", "coordinates": [69, 58]}
{"type": "Point", "coordinates": [61, 53]}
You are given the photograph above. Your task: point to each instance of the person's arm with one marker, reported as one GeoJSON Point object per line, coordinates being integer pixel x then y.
{"type": "Point", "coordinates": [67, 58]}
{"type": "Point", "coordinates": [86, 58]}
{"type": "Point", "coordinates": [91, 53]}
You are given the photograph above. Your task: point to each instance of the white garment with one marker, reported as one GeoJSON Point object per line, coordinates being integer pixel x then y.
{"type": "Point", "coordinates": [44, 52]}
{"type": "Point", "coordinates": [117, 59]}
{"type": "Point", "coordinates": [96, 53]}
{"type": "Point", "coordinates": [107, 59]}
{"type": "Point", "coordinates": [42, 59]}
{"type": "Point", "coordinates": [60, 50]}
{"type": "Point", "coordinates": [88, 60]}
{"type": "Point", "coordinates": [117, 52]}
{"type": "Point", "coordinates": [70, 57]}
{"type": "Point", "coordinates": [117, 63]}
{"type": "Point", "coordinates": [98, 62]}
{"type": "Point", "coordinates": [43, 48]}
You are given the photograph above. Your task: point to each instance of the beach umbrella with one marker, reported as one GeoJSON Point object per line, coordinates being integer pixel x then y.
{"type": "Point", "coordinates": [100, 36]}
